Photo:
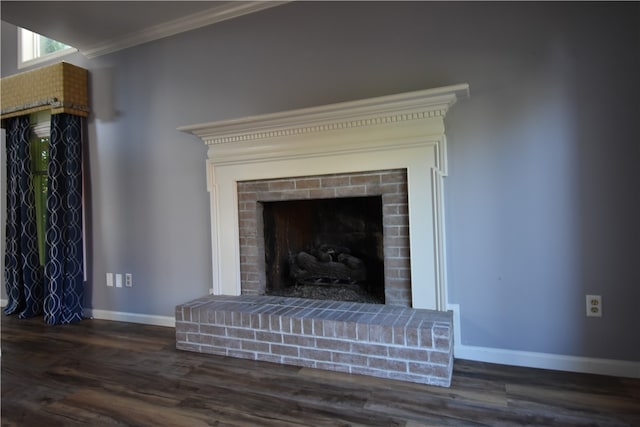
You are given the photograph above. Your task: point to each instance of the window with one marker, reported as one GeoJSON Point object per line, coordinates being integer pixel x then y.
{"type": "Point", "coordinates": [34, 48]}
{"type": "Point", "coordinates": [40, 125]}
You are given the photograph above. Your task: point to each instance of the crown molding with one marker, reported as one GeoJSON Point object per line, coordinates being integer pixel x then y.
{"type": "Point", "coordinates": [194, 21]}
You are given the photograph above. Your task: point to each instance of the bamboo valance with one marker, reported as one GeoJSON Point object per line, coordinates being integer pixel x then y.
{"type": "Point", "coordinates": [61, 88]}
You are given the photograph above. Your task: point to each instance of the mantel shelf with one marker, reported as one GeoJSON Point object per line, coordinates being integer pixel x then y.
{"type": "Point", "coordinates": [405, 106]}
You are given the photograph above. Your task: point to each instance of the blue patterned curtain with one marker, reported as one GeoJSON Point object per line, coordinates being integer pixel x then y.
{"type": "Point", "coordinates": [23, 274]}
{"type": "Point", "coordinates": [63, 268]}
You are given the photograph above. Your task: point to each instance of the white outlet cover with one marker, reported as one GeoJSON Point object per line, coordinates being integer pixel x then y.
{"type": "Point", "coordinates": [594, 306]}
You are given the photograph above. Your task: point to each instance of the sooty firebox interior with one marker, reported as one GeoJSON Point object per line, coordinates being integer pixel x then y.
{"type": "Point", "coordinates": [325, 248]}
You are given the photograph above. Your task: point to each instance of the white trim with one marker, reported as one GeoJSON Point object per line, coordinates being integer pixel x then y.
{"type": "Point", "coordinates": [42, 129]}
{"type": "Point", "coordinates": [402, 131]}
{"type": "Point", "coordinates": [219, 13]}
{"type": "Point", "coordinates": [119, 316]}
{"type": "Point", "coordinates": [40, 58]}
{"type": "Point", "coordinates": [364, 113]}
{"type": "Point", "coordinates": [50, 57]}
{"type": "Point", "coordinates": [529, 359]}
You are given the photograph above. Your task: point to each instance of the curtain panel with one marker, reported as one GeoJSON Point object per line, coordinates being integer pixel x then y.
{"type": "Point", "coordinates": [23, 274]}
{"type": "Point", "coordinates": [64, 269]}
{"type": "Point", "coordinates": [57, 290]}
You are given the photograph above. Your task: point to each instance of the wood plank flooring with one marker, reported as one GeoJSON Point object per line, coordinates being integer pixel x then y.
{"type": "Point", "coordinates": [101, 373]}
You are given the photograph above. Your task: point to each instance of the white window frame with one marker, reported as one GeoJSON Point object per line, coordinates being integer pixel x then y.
{"type": "Point", "coordinates": [32, 40]}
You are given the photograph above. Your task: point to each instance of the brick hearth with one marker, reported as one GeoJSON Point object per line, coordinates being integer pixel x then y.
{"type": "Point", "coordinates": [368, 339]}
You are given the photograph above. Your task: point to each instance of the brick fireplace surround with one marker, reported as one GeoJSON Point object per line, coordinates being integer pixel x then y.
{"type": "Point", "coordinates": [391, 185]}
{"type": "Point", "coordinates": [356, 148]}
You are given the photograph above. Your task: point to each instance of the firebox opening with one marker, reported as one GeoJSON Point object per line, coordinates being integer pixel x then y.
{"type": "Point", "coordinates": [325, 249]}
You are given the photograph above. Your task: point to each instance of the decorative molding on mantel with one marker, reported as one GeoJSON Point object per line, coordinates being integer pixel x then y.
{"type": "Point", "coordinates": [218, 13]}
{"type": "Point", "coordinates": [403, 131]}
{"type": "Point", "coordinates": [356, 123]}
{"type": "Point", "coordinates": [353, 114]}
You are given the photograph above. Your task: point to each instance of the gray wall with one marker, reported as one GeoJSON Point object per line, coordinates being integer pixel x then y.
{"type": "Point", "coordinates": [542, 200]}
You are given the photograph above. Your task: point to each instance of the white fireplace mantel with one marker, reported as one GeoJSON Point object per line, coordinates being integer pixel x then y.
{"type": "Point", "coordinates": [391, 132]}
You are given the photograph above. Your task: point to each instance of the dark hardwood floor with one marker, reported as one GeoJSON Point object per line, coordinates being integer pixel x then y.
{"type": "Point", "coordinates": [98, 373]}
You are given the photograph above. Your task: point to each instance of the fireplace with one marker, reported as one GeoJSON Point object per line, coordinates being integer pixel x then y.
{"type": "Point", "coordinates": [397, 132]}
{"type": "Point", "coordinates": [345, 196]}
{"type": "Point", "coordinates": [324, 248]}
{"type": "Point", "coordinates": [366, 213]}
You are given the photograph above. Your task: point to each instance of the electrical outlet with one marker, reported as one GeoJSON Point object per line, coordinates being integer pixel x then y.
{"type": "Point", "coordinates": [110, 280]}
{"type": "Point", "coordinates": [118, 280]}
{"type": "Point", "coordinates": [594, 306]}
{"type": "Point", "coordinates": [128, 280]}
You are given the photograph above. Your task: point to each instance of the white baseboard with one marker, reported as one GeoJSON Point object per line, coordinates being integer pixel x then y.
{"type": "Point", "coordinates": [558, 362]}
{"type": "Point", "coordinates": [119, 316]}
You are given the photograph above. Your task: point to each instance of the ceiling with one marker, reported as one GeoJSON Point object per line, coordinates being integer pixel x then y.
{"type": "Point", "coordinates": [99, 27]}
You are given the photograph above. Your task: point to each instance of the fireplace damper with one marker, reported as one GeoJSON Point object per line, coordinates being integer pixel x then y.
{"type": "Point", "coordinates": [325, 248]}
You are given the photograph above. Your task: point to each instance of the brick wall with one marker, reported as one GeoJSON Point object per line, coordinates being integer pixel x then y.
{"type": "Point", "coordinates": [391, 185]}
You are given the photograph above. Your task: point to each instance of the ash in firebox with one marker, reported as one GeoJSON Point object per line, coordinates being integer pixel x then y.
{"type": "Point", "coordinates": [353, 294]}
